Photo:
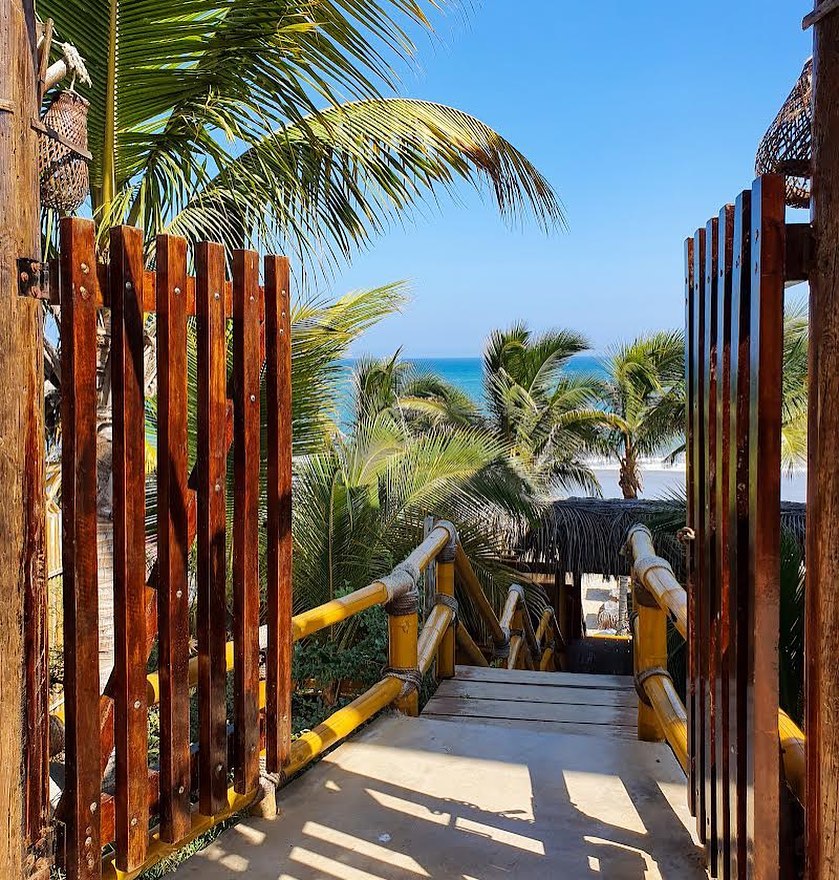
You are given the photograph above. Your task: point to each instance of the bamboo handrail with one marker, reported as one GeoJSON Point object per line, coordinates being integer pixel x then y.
{"type": "Point", "coordinates": [472, 587]}
{"type": "Point", "coordinates": [315, 619]}
{"type": "Point", "coordinates": [657, 576]}
{"type": "Point", "coordinates": [467, 644]}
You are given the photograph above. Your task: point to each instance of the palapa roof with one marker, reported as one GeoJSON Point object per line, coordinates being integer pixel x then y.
{"type": "Point", "coordinates": [588, 534]}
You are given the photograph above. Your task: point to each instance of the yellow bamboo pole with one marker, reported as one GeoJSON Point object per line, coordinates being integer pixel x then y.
{"type": "Point", "coordinates": [470, 649]}
{"type": "Point", "coordinates": [436, 625]}
{"type": "Point", "coordinates": [793, 748]}
{"type": "Point", "coordinates": [670, 714]}
{"type": "Point", "coordinates": [472, 587]}
{"type": "Point", "coordinates": [341, 724]}
{"type": "Point", "coordinates": [445, 587]}
{"type": "Point", "coordinates": [510, 605]}
{"type": "Point", "coordinates": [402, 654]}
{"type": "Point", "coordinates": [657, 576]}
{"type": "Point", "coordinates": [650, 649]}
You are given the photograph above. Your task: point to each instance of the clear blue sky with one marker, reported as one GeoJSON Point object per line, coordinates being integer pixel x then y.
{"type": "Point", "coordinates": [645, 117]}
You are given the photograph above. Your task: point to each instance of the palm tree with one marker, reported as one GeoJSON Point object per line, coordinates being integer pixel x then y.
{"type": "Point", "coordinates": [794, 414]}
{"type": "Point", "coordinates": [644, 400]}
{"type": "Point", "coordinates": [544, 416]}
{"type": "Point", "coordinates": [272, 123]}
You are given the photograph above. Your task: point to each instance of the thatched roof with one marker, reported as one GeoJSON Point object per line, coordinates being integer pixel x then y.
{"type": "Point", "coordinates": [588, 534]}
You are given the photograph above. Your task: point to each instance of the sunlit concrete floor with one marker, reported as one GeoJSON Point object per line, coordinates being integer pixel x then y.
{"type": "Point", "coordinates": [414, 797]}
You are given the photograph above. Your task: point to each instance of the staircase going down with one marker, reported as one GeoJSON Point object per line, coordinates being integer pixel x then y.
{"type": "Point", "coordinates": [507, 774]}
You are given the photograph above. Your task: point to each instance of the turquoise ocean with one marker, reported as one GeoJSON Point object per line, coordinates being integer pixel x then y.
{"type": "Point", "coordinates": [466, 374]}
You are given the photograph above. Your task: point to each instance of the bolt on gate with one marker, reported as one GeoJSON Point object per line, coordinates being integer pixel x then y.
{"type": "Point", "coordinates": [251, 323]}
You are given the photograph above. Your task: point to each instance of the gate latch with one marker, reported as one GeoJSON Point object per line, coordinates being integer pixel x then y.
{"type": "Point", "coordinates": [33, 278]}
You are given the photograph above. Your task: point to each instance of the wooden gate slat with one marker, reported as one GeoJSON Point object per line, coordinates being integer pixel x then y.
{"type": "Point", "coordinates": [78, 508]}
{"type": "Point", "coordinates": [246, 404]}
{"type": "Point", "coordinates": [211, 525]}
{"type": "Point", "coordinates": [278, 552]}
{"type": "Point", "coordinates": [172, 538]}
{"type": "Point", "coordinates": [130, 709]}
{"type": "Point", "coordinates": [738, 502]}
{"type": "Point", "coordinates": [700, 645]}
{"type": "Point", "coordinates": [725, 231]}
{"type": "Point", "coordinates": [690, 468]}
{"type": "Point", "coordinates": [767, 318]}
{"type": "Point", "coordinates": [709, 547]}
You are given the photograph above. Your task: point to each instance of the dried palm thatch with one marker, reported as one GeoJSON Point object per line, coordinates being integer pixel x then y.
{"type": "Point", "coordinates": [786, 147]}
{"type": "Point", "coordinates": [588, 534]}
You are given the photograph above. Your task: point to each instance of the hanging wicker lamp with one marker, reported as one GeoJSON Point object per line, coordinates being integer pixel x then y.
{"type": "Point", "coordinates": [62, 153]}
{"type": "Point", "coordinates": [787, 146]}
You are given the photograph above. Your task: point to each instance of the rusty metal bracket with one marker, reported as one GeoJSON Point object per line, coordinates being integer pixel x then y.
{"type": "Point", "coordinates": [33, 278]}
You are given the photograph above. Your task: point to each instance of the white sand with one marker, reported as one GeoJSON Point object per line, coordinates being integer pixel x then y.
{"type": "Point", "coordinates": [661, 481]}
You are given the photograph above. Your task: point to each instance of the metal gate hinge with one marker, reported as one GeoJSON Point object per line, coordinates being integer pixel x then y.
{"type": "Point", "coordinates": [33, 278]}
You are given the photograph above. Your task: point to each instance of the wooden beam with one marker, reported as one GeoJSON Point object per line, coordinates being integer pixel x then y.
{"type": "Point", "coordinates": [822, 601]}
{"type": "Point", "coordinates": [24, 801]}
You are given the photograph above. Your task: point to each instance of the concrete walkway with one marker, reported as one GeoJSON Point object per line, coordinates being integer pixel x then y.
{"type": "Point", "coordinates": [416, 797]}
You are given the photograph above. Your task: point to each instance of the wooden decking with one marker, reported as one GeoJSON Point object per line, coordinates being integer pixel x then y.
{"type": "Point", "coordinates": [493, 782]}
{"type": "Point", "coordinates": [600, 705]}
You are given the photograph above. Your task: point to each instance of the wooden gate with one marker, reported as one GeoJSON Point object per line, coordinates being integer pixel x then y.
{"type": "Point", "coordinates": [146, 806]}
{"type": "Point", "coordinates": [736, 270]}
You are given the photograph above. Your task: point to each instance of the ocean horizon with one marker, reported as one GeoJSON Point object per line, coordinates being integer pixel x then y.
{"type": "Point", "coordinates": [661, 480]}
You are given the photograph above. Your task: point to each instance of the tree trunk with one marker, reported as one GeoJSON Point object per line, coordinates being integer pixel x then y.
{"type": "Point", "coordinates": [822, 613]}
{"type": "Point", "coordinates": [23, 670]}
{"type": "Point", "coordinates": [630, 478]}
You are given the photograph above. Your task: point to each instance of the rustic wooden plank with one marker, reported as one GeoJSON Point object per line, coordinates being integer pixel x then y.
{"type": "Point", "coordinates": [577, 714]}
{"type": "Point", "coordinates": [130, 709]}
{"type": "Point", "coordinates": [710, 592]}
{"type": "Point", "coordinates": [601, 731]}
{"type": "Point", "coordinates": [78, 510]}
{"type": "Point", "coordinates": [211, 568]}
{"type": "Point", "coordinates": [690, 548]}
{"type": "Point", "coordinates": [700, 640]}
{"type": "Point", "coordinates": [278, 551]}
{"type": "Point", "coordinates": [722, 403]}
{"type": "Point", "coordinates": [246, 371]}
{"type": "Point", "coordinates": [738, 503]}
{"type": "Point", "coordinates": [148, 295]}
{"type": "Point", "coordinates": [766, 354]}
{"type": "Point", "coordinates": [494, 690]}
{"type": "Point", "coordinates": [545, 679]}
{"type": "Point", "coordinates": [172, 538]}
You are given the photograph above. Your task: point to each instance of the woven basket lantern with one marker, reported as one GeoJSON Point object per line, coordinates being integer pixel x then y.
{"type": "Point", "coordinates": [787, 147]}
{"type": "Point", "coordinates": [62, 153]}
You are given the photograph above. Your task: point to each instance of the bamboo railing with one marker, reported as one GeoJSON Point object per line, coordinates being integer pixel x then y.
{"type": "Point", "coordinates": [658, 597]}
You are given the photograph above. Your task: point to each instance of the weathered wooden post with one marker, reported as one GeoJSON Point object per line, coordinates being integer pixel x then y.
{"type": "Point", "coordinates": [822, 600]}
{"type": "Point", "coordinates": [23, 673]}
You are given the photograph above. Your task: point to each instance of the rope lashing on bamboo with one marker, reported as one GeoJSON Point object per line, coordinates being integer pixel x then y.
{"type": "Point", "coordinates": [501, 650]}
{"type": "Point", "coordinates": [642, 677]}
{"type": "Point", "coordinates": [402, 589]}
{"type": "Point", "coordinates": [448, 601]}
{"type": "Point", "coordinates": [651, 563]}
{"type": "Point", "coordinates": [448, 553]}
{"type": "Point", "coordinates": [410, 677]}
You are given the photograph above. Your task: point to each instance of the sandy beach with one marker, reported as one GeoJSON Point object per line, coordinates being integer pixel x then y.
{"type": "Point", "coordinates": [661, 481]}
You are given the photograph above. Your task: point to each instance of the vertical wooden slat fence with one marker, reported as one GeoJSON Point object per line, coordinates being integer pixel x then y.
{"type": "Point", "coordinates": [172, 537]}
{"type": "Point", "coordinates": [131, 711]}
{"type": "Point", "coordinates": [211, 565]}
{"type": "Point", "coordinates": [110, 724]}
{"type": "Point", "coordinates": [735, 282]}
{"type": "Point", "coordinates": [278, 552]}
{"type": "Point", "coordinates": [246, 368]}
{"type": "Point", "coordinates": [81, 596]}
